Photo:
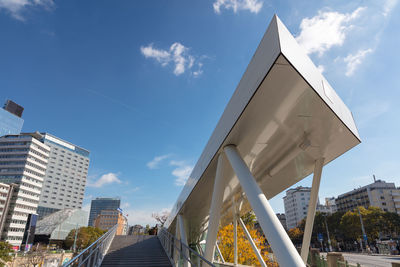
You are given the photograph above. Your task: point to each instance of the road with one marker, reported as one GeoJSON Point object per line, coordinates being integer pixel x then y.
{"type": "Point", "coordinates": [369, 260]}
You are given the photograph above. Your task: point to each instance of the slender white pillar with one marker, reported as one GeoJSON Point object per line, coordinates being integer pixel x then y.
{"type": "Point", "coordinates": [216, 204]}
{"type": "Point", "coordinates": [253, 245]}
{"type": "Point", "coordinates": [281, 244]}
{"type": "Point", "coordinates": [185, 251]}
{"type": "Point", "coordinates": [312, 204]}
{"type": "Point", "coordinates": [176, 243]}
{"type": "Point", "coordinates": [219, 253]}
{"type": "Point", "coordinates": [235, 236]}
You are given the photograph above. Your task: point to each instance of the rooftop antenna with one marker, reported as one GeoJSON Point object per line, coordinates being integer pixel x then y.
{"type": "Point", "coordinates": [373, 175]}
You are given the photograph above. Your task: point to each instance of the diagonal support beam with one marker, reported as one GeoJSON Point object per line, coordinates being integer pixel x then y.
{"type": "Point", "coordinates": [253, 245]}
{"type": "Point", "coordinates": [235, 234]}
{"type": "Point", "coordinates": [215, 209]}
{"type": "Point", "coordinates": [183, 237]}
{"type": "Point", "coordinates": [281, 244]}
{"type": "Point", "coordinates": [312, 204]}
{"type": "Point", "coordinates": [219, 253]}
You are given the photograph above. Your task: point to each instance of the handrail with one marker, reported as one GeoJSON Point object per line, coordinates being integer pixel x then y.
{"type": "Point", "coordinates": [93, 255]}
{"type": "Point", "coordinates": [173, 246]}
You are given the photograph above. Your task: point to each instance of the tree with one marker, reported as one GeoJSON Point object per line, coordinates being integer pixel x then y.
{"type": "Point", "coordinates": [161, 217]}
{"type": "Point", "coordinates": [249, 219]}
{"type": "Point", "coordinates": [5, 250]}
{"type": "Point", "coordinates": [246, 254]}
{"type": "Point", "coordinates": [296, 235]}
{"type": "Point", "coordinates": [86, 236]}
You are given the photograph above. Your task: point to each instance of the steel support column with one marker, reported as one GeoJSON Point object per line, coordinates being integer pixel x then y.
{"type": "Point", "coordinates": [312, 204]}
{"type": "Point", "coordinates": [281, 244]}
{"type": "Point", "coordinates": [216, 204]}
{"type": "Point", "coordinates": [253, 245]}
{"type": "Point", "coordinates": [235, 235]}
{"type": "Point", "coordinates": [219, 253]}
{"type": "Point", "coordinates": [185, 251]}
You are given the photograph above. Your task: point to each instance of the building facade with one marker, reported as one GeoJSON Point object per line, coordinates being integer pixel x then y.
{"type": "Point", "coordinates": [23, 162]}
{"type": "Point", "coordinates": [102, 203]}
{"type": "Point", "coordinates": [59, 224]}
{"type": "Point", "coordinates": [296, 205]}
{"type": "Point", "coordinates": [65, 179]}
{"type": "Point", "coordinates": [108, 218]}
{"type": "Point", "coordinates": [282, 219]}
{"type": "Point", "coordinates": [378, 194]}
{"type": "Point", "coordinates": [10, 119]}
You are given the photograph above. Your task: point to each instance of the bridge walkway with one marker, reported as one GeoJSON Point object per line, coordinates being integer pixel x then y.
{"type": "Point", "coordinates": [136, 250]}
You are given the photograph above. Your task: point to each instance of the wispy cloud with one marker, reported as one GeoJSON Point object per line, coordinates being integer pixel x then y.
{"type": "Point", "coordinates": [368, 112]}
{"type": "Point", "coordinates": [142, 216]}
{"type": "Point", "coordinates": [354, 60]}
{"type": "Point", "coordinates": [253, 6]}
{"type": "Point", "coordinates": [325, 30]}
{"type": "Point", "coordinates": [105, 179]}
{"type": "Point", "coordinates": [16, 8]}
{"type": "Point", "coordinates": [388, 6]}
{"type": "Point", "coordinates": [156, 161]}
{"type": "Point", "coordinates": [177, 55]}
{"type": "Point", "coordinates": [181, 172]}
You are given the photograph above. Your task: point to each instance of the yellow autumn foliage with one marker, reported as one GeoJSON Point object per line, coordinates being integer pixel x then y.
{"type": "Point", "coordinates": [246, 255]}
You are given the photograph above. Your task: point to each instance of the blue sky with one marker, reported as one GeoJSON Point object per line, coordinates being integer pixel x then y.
{"type": "Point", "coordinates": [142, 84]}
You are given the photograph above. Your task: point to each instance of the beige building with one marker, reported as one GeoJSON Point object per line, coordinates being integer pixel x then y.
{"type": "Point", "coordinates": [378, 194]}
{"type": "Point", "coordinates": [108, 218]}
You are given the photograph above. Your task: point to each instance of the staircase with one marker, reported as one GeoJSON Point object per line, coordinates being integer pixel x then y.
{"type": "Point", "coordinates": [136, 250]}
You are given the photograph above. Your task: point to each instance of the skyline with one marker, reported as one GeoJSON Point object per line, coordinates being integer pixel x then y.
{"type": "Point", "coordinates": [146, 134]}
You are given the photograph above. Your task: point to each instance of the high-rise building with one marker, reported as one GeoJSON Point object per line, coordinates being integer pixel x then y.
{"type": "Point", "coordinates": [108, 218]}
{"type": "Point", "coordinates": [378, 194]}
{"type": "Point", "coordinates": [65, 179]}
{"type": "Point", "coordinates": [23, 162]}
{"type": "Point", "coordinates": [102, 203]}
{"type": "Point", "coordinates": [296, 205]}
{"type": "Point", "coordinates": [10, 119]}
{"type": "Point", "coordinates": [282, 219]}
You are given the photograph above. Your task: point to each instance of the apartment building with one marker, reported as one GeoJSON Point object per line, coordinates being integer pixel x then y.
{"type": "Point", "coordinates": [378, 194]}
{"type": "Point", "coordinates": [23, 163]}
{"type": "Point", "coordinates": [296, 205]}
{"type": "Point", "coordinates": [65, 179]}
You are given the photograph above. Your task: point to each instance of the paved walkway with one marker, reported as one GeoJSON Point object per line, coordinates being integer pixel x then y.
{"type": "Point", "coordinates": [370, 260]}
{"type": "Point", "coordinates": [136, 250]}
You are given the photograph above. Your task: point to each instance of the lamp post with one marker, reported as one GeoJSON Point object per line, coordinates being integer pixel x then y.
{"type": "Point", "coordinates": [327, 233]}
{"type": "Point", "coordinates": [362, 227]}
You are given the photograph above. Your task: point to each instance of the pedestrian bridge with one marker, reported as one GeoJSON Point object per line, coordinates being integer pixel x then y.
{"type": "Point", "coordinates": [283, 123]}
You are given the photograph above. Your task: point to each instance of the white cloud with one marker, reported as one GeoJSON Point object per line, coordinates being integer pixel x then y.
{"type": "Point", "coordinates": [353, 61]}
{"type": "Point", "coordinates": [321, 32]}
{"type": "Point", "coordinates": [253, 6]}
{"type": "Point", "coordinates": [177, 54]}
{"type": "Point", "coordinates": [157, 160]}
{"type": "Point", "coordinates": [182, 172]}
{"type": "Point", "coordinates": [389, 6]}
{"type": "Point", "coordinates": [17, 7]}
{"type": "Point", "coordinates": [321, 68]}
{"type": "Point", "coordinates": [142, 216]}
{"type": "Point", "coordinates": [105, 179]}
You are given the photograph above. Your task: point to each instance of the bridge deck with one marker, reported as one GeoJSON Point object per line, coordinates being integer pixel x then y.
{"type": "Point", "coordinates": [136, 250]}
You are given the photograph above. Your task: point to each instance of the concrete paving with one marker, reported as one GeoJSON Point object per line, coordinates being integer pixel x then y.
{"type": "Point", "coordinates": [370, 260]}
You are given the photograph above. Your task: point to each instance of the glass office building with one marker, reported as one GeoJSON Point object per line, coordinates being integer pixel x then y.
{"type": "Point", "coordinates": [10, 119]}
{"type": "Point", "coordinates": [102, 203]}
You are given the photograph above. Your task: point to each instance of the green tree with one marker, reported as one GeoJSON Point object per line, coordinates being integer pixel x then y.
{"type": "Point", "coordinates": [249, 219]}
{"type": "Point", "coordinates": [86, 236]}
{"type": "Point", "coordinates": [5, 250]}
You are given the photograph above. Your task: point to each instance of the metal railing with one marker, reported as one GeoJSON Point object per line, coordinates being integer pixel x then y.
{"type": "Point", "coordinates": [178, 252]}
{"type": "Point", "coordinates": [93, 255]}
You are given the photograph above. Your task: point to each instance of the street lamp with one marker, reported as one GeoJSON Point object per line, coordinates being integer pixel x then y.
{"type": "Point", "coordinates": [362, 227]}
{"type": "Point", "coordinates": [327, 233]}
